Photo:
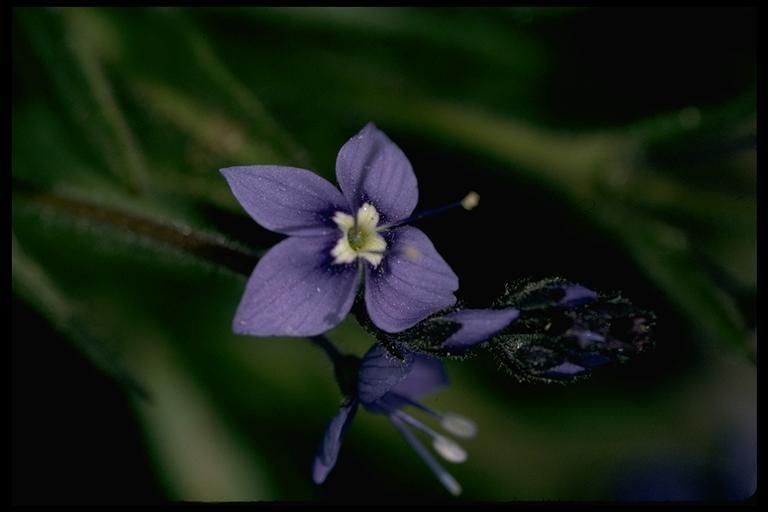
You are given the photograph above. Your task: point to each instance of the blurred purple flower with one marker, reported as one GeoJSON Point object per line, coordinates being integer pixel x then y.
{"type": "Point", "coordinates": [384, 386]}
{"type": "Point", "coordinates": [306, 284]}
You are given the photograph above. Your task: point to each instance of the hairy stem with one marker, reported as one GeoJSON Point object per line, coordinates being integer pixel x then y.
{"type": "Point", "coordinates": [208, 247]}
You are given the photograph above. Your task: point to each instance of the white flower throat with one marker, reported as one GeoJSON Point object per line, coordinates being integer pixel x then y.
{"type": "Point", "coordinates": [360, 237]}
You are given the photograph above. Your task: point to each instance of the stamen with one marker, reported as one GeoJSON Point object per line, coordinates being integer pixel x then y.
{"type": "Point", "coordinates": [451, 422]}
{"type": "Point", "coordinates": [417, 405]}
{"type": "Point", "coordinates": [450, 483]}
{"type": "Point", "coordinates": [468, 202]}
{"type": "Point", "coordinates": [445, 478]}
{"type": "Point", "coordinates": [447, 448]}
{"type": "Point", "coordinates": [459, 425]}
{"type": "Point", "coordinates": [416, 423]}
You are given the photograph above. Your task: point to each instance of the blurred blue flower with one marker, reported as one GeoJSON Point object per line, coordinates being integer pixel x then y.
{"type": "Point", "coordinates": [306, 284]}
{"type": "Point", "coordinates": [384, 386]}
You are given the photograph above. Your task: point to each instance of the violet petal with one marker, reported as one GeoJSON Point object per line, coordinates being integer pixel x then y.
{"type": "Point", "coordinates": [371, 168]}
{"type": "Point", "coordinates": [477, 325]}
{"type": "Point", "coordinates": [328, 452]}
{"type": "Point", "coordinates": [295, 290]}
{"type": "Point", "coordinates": [412, 282]}
{"type": "Point", "coordinates": [379, 372]}
{"type": "Point", "coordinates": [286, 199]}
{"type": "Point", "coordinates": [426, 376]}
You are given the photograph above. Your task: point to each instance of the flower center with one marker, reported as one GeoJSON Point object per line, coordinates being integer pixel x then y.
{"type": "Point", "coordinates": [359, 236]}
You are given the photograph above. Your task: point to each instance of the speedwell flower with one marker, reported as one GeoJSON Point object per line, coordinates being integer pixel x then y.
{"type": "Point", "coordinates": [306, 284]}
{"type": "Point", "coordinates": [384, 386]}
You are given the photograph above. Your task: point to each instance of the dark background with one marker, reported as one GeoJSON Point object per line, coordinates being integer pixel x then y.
{"type": "Point", "coordinates": [614, 147]}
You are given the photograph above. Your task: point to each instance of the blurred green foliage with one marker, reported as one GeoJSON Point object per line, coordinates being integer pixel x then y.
{"type": "Point", "coordinates": [128, 241]}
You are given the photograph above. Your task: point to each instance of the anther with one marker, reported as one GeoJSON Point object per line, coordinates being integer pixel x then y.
{"type": "Point", "coordinates": [458, 425]}
{"type": "Point", "coordinates": [412, 253]}
{"type": "Point", "coordinates": [449, 449]}
{"type": "Point", "coordinates": [469, 201]}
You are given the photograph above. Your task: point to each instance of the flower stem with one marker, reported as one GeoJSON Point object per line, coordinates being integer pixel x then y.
{"type": "Point", "coordinates": [325, 344]}
{"type": "Point", "coordinates": [210, 247]}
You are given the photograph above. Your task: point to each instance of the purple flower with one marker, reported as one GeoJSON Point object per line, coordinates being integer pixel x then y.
{"type": "Point", "coordinates": [384, 386]}
{"type": "Point", "coordinates": [306, 284]}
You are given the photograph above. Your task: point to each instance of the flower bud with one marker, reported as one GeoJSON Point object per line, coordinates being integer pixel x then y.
{"type": "Point", "coordinates": [563, 343]}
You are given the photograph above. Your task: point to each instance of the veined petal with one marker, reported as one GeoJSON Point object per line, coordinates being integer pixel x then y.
{"type": "Point", "coordinates": [286, 199]}
{"type": "Point", "coordinates": [328, 452]}
{"type": "Point", "coordinates": [412, 282]}
{"type": "Point", "coordinates": [426, 376]}
{"type": "Point", "coordinates": [477, 325]}
{"type": "Point", "coordinates": [379, 372]}
{"type": "Point", "coordinates": [295, 290]}
{"type": "Point", "coordinates": [371, 168]}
